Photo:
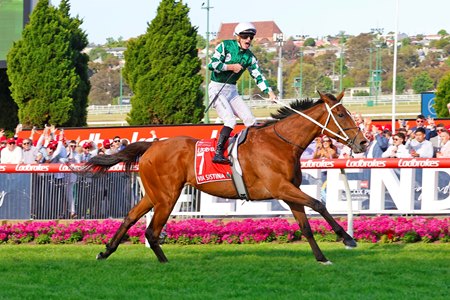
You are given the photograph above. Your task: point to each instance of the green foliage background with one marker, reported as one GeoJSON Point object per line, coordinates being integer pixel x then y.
{"type": "Point", "coordinates": [163, 68]}
{"type": "Point", "coordinates": [48, 72]}
{"type": "Point", "coordinates": [442, 97]}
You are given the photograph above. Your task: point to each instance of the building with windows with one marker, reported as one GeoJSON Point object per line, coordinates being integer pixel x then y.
{"type": "Point", "coordinates": [266, 30]}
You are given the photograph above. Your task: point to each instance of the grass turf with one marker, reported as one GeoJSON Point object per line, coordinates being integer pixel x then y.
{"type": "Point", "coordinates": [261, 271]}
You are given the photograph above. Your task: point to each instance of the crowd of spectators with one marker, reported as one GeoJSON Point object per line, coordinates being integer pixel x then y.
{"type": "Point", "coordinates": [425, 140]}
{"type": "Point", "coordinates": [51, 146]}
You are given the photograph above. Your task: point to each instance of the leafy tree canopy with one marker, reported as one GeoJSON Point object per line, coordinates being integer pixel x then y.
{"type": "Point", "coordinates": [443, 97]}
{"type": "Point", "coordinates": [422, 83]}
{"type": "Point", "coordinates": [163, 69]}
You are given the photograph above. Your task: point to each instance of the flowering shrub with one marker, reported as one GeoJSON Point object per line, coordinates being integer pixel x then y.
{"type": "Point", "coordinates": [383, 229]}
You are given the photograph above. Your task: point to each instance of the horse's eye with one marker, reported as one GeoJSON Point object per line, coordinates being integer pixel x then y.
{"type": "Point", "coordinates": [340, 115]}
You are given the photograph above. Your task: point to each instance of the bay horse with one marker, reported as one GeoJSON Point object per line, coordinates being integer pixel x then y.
{"type": "Point", "coordinates": [270, 162]}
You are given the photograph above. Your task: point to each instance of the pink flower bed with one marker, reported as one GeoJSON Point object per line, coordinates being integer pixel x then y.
{"type": "Point", "coordinates": [199, 231]}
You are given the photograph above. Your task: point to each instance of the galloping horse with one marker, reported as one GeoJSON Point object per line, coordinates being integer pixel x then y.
{"type": "Point", "coordinates": [270, 162]}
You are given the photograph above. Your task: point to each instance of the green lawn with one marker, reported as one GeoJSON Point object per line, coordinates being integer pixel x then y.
{"type": "Point", "coordinates": [262, 271]}
{"type": "Point", "coordinates": [11, 23]}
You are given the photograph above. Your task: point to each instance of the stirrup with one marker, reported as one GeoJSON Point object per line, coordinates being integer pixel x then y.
{"type": "Point", "coordinates": [220, 159]}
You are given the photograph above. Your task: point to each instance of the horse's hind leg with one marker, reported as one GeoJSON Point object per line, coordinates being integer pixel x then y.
{"type": "Point", "coordinates": [299, 213]}
{"type": "Point", "coordinates": [159, 219]}
{"type": "Point", "coordinates": [297, 199]}
{"type": "Point", "coordinates": [133, 216]}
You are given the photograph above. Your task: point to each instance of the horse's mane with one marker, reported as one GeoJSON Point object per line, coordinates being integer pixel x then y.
{"type": "Point", "coordinates": [284, 112]}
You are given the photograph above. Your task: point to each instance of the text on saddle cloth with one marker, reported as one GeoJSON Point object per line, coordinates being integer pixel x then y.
{"type": "Point", "coordinates": [205, 170]}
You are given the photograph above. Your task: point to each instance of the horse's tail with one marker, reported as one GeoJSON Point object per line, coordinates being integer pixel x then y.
{"type": "Point", "coordinates": [129, 155]}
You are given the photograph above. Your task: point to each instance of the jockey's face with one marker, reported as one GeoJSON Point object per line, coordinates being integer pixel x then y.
{"type": "Point", "coordinates": [245, 40]}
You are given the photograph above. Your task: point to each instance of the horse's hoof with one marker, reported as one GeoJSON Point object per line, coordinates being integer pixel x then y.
{"type": "Point", "coordinates": [326, 263]}
{"type": "Point", "coordinates": [100, 256]}
{"type": "Point", "coordinates": [350, 244]}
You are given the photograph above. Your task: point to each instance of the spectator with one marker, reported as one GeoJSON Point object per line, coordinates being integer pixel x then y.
{"type": "Point", "coordinates": [115, 145]}
{"type": "Point", "coordinates": [12, 154]}
{"type": "Point", "coordinates": [403, 130]}
{"type": "Point", "coordinates": [357, 117]}
{"type": "Point", "coordinates": [123, 144]}
{"type": "Point", "coordinates": [309, 151]}
{"type": "Point", "coordinates": [402, 124]}
{"type": "Point", "coordinates": [72, 154]}
{"type": "Point", "coordinates": [71, 178]}
{"type": "Point", "coordinates": [378, 142]}
{"type": "Point", "coordinates": [367, 124]}
{"type": "Point", "coordinates": [419, 146]}
{"type": "Point", "coordinates": [89, 151]}
{"type": "Point", "coordinates": [398, 149]}
{"type": "Point", "coordinates": [2, 143]}
{"type": "Point", "coordinates": [436, 141]}
{"type": "Point", "coordinates": [444, 149]}
{"type": "Point", "coordinates": [106, 146]}
{"type": "Point", "coordinates": [325, 149]}
{"type": "Point", "coordinates": [430, 129]}
{"type": "Point", "coordinates": [29, 152]}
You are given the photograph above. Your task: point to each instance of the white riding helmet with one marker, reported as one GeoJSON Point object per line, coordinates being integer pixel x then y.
{"type": "Point", "coordinates": [245, 27]}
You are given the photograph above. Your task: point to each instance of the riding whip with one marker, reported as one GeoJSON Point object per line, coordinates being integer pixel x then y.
{"type": "Point", "coordinates": [217, 95]}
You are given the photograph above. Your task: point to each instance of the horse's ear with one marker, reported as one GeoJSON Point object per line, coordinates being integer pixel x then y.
{"type": "Point", "coordinates": [324, 97]}
{"type": "Point", "coordinates": [341, 95]}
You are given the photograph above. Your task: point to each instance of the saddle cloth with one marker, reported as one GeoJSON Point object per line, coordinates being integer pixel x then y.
{"type": "Point", "coordinates": [205, 170]}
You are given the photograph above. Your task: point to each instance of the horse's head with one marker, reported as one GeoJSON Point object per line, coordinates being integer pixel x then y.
{"type": "Point", "coordinates": [340, 124]}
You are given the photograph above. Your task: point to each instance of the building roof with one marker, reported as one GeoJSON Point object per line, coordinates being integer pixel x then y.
{"type": "Point", "coordinates": [265, 31]}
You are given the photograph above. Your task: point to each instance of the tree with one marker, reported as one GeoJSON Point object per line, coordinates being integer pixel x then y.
{"type": "Point", "coordinates": [201, 42]}
{"type": "Point", "coordinates": [290, 51]}
{"type": "Point", "coordinates": [309, 42]}
{"type": "Point", "coordinates": [442, 33]}
{"type": "Point", "coordinates": [167, 84]}
{"type": "Point", "coordinates": [98, 52]}
{"type": "Point", "coordinates": [48, 72]}
{"type": "Point", "coordinates": [357, 51]}
{"type": "Point", "coordinates": [9, 118]}
{"type": "Point", "coordinates": [400, 84]}
{"type": "Point", "coordinates": [106, 86]}
{"type": "Point", "coordinates": [422, 83]}
{"type": "Point", "coordinates": [112, 43]}
{"type": "Point", "coordinates": [442, 97]}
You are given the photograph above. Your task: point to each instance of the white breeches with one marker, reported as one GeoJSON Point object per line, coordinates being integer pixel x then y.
{"type": "Point", "coordinates": [230, 104]}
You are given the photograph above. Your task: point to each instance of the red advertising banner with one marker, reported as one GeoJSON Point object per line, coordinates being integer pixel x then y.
{"type": "Point", "coordinates": [138, 133]}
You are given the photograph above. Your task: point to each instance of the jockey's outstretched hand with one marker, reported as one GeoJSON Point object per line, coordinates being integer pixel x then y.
{"type": "Point", "coordinates": [272, 97]}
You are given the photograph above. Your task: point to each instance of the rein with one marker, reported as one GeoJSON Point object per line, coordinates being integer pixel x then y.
{"type": "Point", "coordinates": [284, 139]}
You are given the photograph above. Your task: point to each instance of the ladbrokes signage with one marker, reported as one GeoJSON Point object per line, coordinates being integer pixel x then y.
{"type": "Point", "coordinates": [405, 186]}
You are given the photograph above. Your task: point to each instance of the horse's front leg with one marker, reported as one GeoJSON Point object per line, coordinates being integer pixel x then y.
{"type": "Point", "coordinates": [133, 216]}
{"type": "Point", "coordinates": [294, 196]}
{"type": "Point", "coordinates": [299, 214]}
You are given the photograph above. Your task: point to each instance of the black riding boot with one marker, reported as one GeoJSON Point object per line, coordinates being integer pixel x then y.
{"type": "Point", "coordinates": [223, 138]}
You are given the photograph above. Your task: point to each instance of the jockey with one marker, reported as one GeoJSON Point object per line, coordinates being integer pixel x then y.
{"type": "Point", "coordinates": [229, 61]}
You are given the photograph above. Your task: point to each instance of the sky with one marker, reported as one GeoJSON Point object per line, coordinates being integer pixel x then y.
{"type": "Point", "coordinates": [316, 18]}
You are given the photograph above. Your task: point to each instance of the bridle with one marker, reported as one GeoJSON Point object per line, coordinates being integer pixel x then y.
{"type": "Point", "coordinates": [341, 134]}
